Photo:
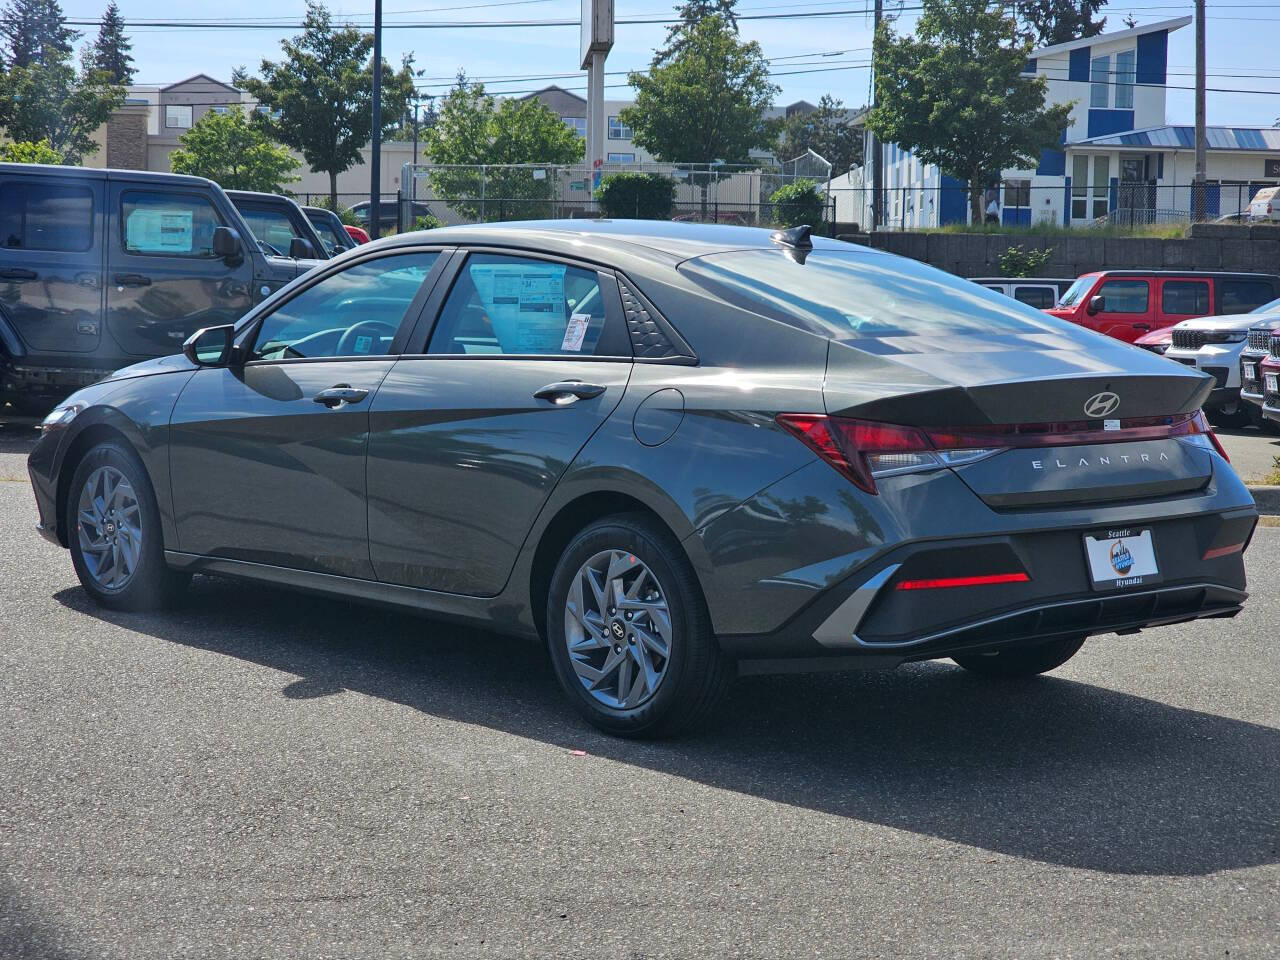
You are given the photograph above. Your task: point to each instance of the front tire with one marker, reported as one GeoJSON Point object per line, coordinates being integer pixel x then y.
{"type": "Point", "coordinates": [629, 633]}
{"type": "Point", "coordinates": [1022, 661]}
{"type": "Point", "coordinates": [114, 533]}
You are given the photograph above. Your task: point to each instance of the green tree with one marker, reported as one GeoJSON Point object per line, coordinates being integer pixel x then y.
{"type": "Point", "coordinates": [639, 196]}
{"type": "Point", "coordinates": [320, 95]}
{"type": "Point", "coordinates": [798, 203]}
{"type": "Point", "coordinates": [1057, 21]}
{"type": "Point", "coordinates": [49, 101]}
{"type": "Point", "coordinates": [706, 103]}
{"type": "Point", "coordinates": [34, 32]}
{"type": "Point", "coordinates": [827, 132]}
{"type": "Point", "coordinates": [234, 153]}
{"type": "Point", "coordinates": [955, 95]}
{"type": "Point", "coordinates": [472, 128]}
{"type": "Point", "coordinates": [689, 13]}
{"type": "Point", "coordinates": [109, 51]}
{"type": "Point", "coordinates": [28, 152]}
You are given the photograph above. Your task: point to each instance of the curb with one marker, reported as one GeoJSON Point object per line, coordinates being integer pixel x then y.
{"type": "Point", "coordinates": [1267, 497]}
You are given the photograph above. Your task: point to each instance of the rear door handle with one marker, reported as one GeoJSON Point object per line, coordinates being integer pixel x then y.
{"type": "Point", "coordinates": [1144, 327]}
{"type": "Point", "coordinates": [569, 391]}
{"type": "Point", "coordinates": [131, 280]}
{"type": "Point", "coordinates": [18, 273]}
{"type": "Point", "coordinates": [340, 395]}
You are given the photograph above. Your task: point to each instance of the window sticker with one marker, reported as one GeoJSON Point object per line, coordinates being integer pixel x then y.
{"type": "Point", "coordinates": [159, 231]}
{"type": "Point", "coordinates": [363, 344]}
{"type": "Point", "coordinates": [576, 332]}
{"type": "Point", "coordinates": [525, 303]}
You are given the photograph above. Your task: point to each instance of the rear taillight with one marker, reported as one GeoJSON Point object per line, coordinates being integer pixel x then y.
{"type": "Point", "coordinates": [862, 450]}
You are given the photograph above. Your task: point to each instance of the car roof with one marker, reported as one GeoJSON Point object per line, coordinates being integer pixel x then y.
{"type": "Point", "coordinates": [660, 240]}
{"type": "Point", "coordinates": [102, 173]}
{"type": "Point", "coordinates": [258, 195]}
{"type": "Point", "coordinates": [1223, 274]}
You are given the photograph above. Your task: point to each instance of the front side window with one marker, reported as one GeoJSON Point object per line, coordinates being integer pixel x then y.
{"type": "Point", "coordinates": [168, 224]}
{"type": "Point", "coordinates": [874, 302]}
{"type": "Point", "coordinates": [39, 216]}
{"type": "Point", "coordinates": [334, 243]}
{"type": "Point", "coordinates": [513, 305]}
{"type": "Point", "coordinates": [353, 313]}
{"type": "Point", "coordinates": [1185, 298]}
{"type": "Point", "coordinates": [269, 226]}
{"type": "Point", "coordinates": [618, 130]}
{"type": "Point", "coordinates": [1124, 296]}
{"type": "Point", "coordinates": [1100, 82]}
{"type": "Point", "coordinates": [177, 117]}
{"type": "Point", "coordinates": [1126, 76]}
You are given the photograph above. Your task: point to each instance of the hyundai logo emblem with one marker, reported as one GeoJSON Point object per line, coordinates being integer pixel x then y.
{"type": "Point", "coordinates": [618, 630]}
{"type": "Point", "coordinates": [1101, 405]}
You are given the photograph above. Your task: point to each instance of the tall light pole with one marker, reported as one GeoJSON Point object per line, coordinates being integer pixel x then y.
{"type": "Point", "coordinates": [1198, 204]}
{"type": "Point", "coordinates": [375, 158]}
{"type": "Point", "coordinates": [597, 40]}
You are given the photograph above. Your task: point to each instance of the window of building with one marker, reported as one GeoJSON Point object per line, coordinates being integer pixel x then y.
{"type": "Point", "coordinates": [37, 216]}
{"type": "Point", "coordinates": [578, 125]}
{"type": "Point", "coordinates": [618, 130]}
{"type": "Point", "coordinates": [167, 224]}
{"type": "Point", "coordinates": [1185, 298]}
{"type": "Point", "coordinates": [177, 117]}
{"type": "Point", "coordinates": [1079, 187]}
{"type": "Point", "coordinates": [1100, 82]}
{"type": "Point", "coordinates": [1126, 75]}
{"type": "Point", "coordinates": [1101, 185]}
{"type": "Point", "coordinates": [1017, 193]}
{"type": "Point", "coordinates": [1124, 296]}
{"type": "Point", "coordinates": [221, 111]}
{"type": "Point", "coordinates": [621, 158]}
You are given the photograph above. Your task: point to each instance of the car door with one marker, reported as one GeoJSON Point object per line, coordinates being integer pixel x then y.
{"type": "Point", "coordinates": [278, 223]}
{"type": "Point", "coordinates": [528, 357]}
{"type": "Point", "coordinates": [51, 232]}
{"type": "Point", "coordinates": [1128, 308]}
{"type": "Point", "coordinates": [164, 282]}
{"type": "Point", "coordinates": [267, 456]}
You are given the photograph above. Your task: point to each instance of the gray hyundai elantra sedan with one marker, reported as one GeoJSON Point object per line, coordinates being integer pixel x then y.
{"type": "Point", "coordinates": [672, 452]}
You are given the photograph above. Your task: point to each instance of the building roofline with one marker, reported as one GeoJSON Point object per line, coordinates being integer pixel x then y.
{"type": "Point", "coordinates": [1176, 23]}
{"type": "Point", "coordinates": [201, 76]}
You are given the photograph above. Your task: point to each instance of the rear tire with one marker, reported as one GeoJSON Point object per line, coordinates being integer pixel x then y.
{"type": "Point", "coordinates": [113, 530]}
{"type": "Point", "coordinates": [1022, 661]}
{"type": "Point", "coordinates": [608, 653]}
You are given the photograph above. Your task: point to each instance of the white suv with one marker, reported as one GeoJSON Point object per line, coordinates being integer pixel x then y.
{"type": "Point", "coordinates": [1213, 345]}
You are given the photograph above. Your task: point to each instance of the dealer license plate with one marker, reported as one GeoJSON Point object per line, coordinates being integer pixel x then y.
{"type": "Point", "coordinates": [1251, 371]}
{"type": "Point", "coordinates": [1121, 558]}
{"type": "Point", "coordinates": [1270, 381]}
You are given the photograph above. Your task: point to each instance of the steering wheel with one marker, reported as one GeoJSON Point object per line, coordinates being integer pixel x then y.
{"type": "Point", "coordinates": [376, 328]}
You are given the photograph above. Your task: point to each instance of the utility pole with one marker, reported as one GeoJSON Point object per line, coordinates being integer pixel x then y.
{"type": "Point", "coordinates": [375, 158]}
{"type": "Point", "coordinates": [874, 150]}
{"type": "Point", "coordinates": [1198, 205]}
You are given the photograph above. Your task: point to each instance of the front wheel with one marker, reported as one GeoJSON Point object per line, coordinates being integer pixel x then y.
{"type": "Point", "coordinates": [114, 532]}
{"type": "Point", "coordinates": [629, 633]}
{"type": "Point", "coordinates": [1022, 661]}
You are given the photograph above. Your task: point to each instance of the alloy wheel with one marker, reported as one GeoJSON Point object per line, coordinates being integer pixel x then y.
{"type": "Point", "coordinates": [618, 629]}
{"type": "Point", "coordinates": [109, 528]}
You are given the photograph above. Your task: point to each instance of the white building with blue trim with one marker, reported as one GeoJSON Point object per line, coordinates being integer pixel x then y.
{"type": "Point", "coordinates": [1119, 160]}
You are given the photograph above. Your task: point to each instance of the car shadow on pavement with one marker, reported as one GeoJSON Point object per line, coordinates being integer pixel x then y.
{"type": "Point", "coordinates": [1047, 769]}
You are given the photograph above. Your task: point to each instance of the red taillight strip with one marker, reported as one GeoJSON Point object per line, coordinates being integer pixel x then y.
{"type": "Point", "coordinates": [1067, 434]}
{"type": "Point", "coordinates": [982, 580]}
{"type": "Point", "coordinates": [1217, 552]}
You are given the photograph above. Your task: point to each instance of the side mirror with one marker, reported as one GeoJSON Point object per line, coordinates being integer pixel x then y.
{"type": "Point", "coordinates": [226, 243]}
{"type": "Point", "coordinates": [301, 249]}
{"type": "Point", "coordinates": [1096, 305]}
{"type": "Point", "coordinates": [210, 346]}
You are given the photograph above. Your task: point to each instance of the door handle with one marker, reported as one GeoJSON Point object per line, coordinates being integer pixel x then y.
{"type": "Point", "coordinates": [1144, 327]}
{"type": "Point", "coordinates": [340, 395]}
{"type": "Point", "coordinates": [18, 273]}
{"type": "Point", "coordinates": [131, 280]}
{"type": "Point", "coordinates": [568, 391]}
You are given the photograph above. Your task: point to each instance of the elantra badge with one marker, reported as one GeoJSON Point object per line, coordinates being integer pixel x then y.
{"type": "Point", "coordinates": [1100, 405]}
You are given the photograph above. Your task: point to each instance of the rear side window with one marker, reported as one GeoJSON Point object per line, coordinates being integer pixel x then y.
{"type": "Point", "coordinates": [1039, 297]}
{"type": "Point", "coordinates": [513, 305]}
{"type": "Point", "coordinates": [863, 297]}
{"type": "Point", "coordinates": [167, 224]}
{"type": "Point", "coordinates": [1244, 296]}
{"type": "Point", "coordinates": [1125, 296]}
{"type": "Point", "coordinates": [1185, 297]}
{"type": "Point", "coordinates": [38, 216]}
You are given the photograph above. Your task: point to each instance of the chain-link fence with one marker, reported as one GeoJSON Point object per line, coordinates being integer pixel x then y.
{"type": "Point", "coordinates": [358, 204]}
{"type": "Point", "coordinates": [708, 193]}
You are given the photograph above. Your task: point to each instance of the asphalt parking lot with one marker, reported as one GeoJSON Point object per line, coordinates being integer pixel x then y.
{"type": "Point", "coordinates": [258, 774]}
{"type": "Point", "coordinates": [1253, 452]}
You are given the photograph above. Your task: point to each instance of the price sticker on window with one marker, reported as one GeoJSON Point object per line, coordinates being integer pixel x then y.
{"type": "Point", "coordinates": [576, 332]}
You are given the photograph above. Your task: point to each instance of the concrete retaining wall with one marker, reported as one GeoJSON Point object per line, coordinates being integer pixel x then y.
{"type": "Point", "coordinates": [1250, 249]}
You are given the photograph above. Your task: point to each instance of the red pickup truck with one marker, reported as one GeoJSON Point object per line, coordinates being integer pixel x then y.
{"type": "Point", "coordinates": [1126, 304]}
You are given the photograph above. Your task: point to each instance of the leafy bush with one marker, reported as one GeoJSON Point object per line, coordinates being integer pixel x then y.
{"type": "Point", "coordinates": [344, 213]}
{"type": "Point", "coordinates": [639, 196]}
{"type": "Point", "coordinates": [1016, 262]}
{"type": "Point", "coordinates": [427, 221]}
{"type": "Point", "coordinates": [798, 203]}
{"type": "Point", "coordinates": [28, 152]}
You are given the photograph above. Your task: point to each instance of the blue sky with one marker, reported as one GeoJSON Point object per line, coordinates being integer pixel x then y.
{"type": "Point", "coordinates": [810, 57]}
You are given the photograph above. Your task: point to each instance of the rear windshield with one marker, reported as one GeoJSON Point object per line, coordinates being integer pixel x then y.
{"type": "Point", "coordinates": [859, 296]}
